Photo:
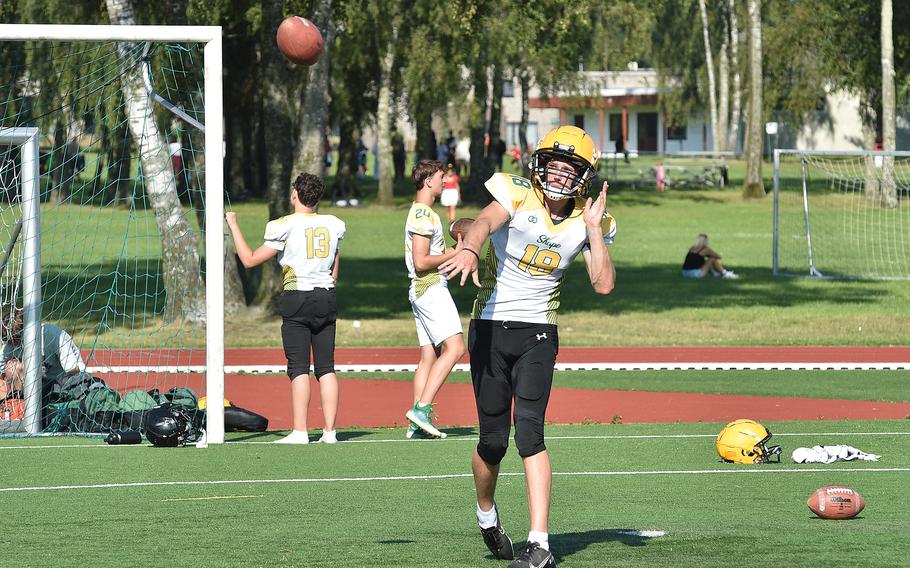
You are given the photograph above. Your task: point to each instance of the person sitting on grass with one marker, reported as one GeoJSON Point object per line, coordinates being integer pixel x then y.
{"type": "Point", "coordinates": [701, 259]}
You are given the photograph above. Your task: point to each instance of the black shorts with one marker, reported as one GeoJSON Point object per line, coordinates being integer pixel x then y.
{"type": "Point", "coordinates": [512, 361]}
{"type": "Point", "coordinates": [309, 323]}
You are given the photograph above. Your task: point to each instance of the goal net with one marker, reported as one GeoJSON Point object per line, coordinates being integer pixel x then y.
{"type": "Point", "coordinates": [842, 214]}
{"type": "Point", "coordinates": [109, 174]}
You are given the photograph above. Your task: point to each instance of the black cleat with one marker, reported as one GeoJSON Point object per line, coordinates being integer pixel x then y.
{"type": "Point", "coordinates": [497, 540]}
{"type": "Point", "coordinates": [533, 556]}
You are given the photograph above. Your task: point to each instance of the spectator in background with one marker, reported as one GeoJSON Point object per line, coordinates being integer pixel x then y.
{"type": "Point", "coordinates": [399, 156]}
{"type": "Point", "coordinates": [450, 149]}
{"type": "Point", "coordinates": [498, 148]}
{"type": "Point", "coordinates": [442, 152]}
{"type": "Point", "coordinates": [327, 150]}
{"type": "Point", "coordinates": [451, 192]}
{"type": "Point", "coordinates": [361, 159]}
{"type": "Point", "coordinates": [701, 259]}
{"type": "Point", "coordinates": [462, 156]}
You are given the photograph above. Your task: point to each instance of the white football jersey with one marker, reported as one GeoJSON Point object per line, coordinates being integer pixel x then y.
{"type": "Point", "coordinates": [423, 221]}
{"type": "Point", "coordinates": [308, 244]}
{"type": "Point", "coordinates": [528, 256]}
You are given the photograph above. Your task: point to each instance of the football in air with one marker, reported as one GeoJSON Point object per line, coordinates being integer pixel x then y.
{"type": "Point", "coordinates": [459, 227]}
{"type": "Point", "coordinates": [835, 502]}
{"type": "Point", "coordinates": [300, 40]}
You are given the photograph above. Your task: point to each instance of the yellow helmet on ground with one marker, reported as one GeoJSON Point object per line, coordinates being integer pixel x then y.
{"type": "Point", "coordinates": [743, 441]}
{"type": "Point", "coordinates": [568, 144]}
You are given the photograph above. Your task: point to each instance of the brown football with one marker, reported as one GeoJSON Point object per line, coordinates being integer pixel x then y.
{"type": "Point", "coordinates": [460, 227]}
{"type": "Point", "coordinates": [836, 502]}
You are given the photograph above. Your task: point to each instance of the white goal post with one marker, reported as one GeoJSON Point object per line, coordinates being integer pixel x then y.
{"type": "Point", "coordinates": [211, 38]}
{"type": "Point", "coordinates": [841, 214]}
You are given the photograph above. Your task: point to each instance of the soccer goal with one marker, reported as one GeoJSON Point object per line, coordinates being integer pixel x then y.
{"type": "Point", "coordinates": [111, 149]}
{"type": "Point", "coordinates": [842, 214]}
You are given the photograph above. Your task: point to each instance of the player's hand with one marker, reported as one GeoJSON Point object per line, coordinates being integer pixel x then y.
{"type": "Point", "coordinates": [464, 263]}
{"type": "Point", "coordinates": [459, 243]}
{"type": "Point", "coordinates": [594, 208]}
{"type": "Point", "coordinates": [231, 218]}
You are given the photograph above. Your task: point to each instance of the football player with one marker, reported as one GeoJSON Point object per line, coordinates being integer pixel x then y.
{"type": "Point", "coordinates": [306, 244]}
{"type": "Point", "coordinates": [439, 331]}
{"type": "Point", "coordinates": [536, 227]}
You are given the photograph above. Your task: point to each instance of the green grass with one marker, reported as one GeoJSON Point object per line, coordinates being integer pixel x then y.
{"type": "Point", "coordinates": [89, 290]}
{"type": "Point", "coordinates": [271, 509]}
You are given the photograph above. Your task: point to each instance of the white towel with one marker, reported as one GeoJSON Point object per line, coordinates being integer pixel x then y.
{"type": "Point", "coordinates": [831, 454]}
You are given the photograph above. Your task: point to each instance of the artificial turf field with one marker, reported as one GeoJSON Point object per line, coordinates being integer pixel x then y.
{"type": "Point", "coordinates": [376, 499]}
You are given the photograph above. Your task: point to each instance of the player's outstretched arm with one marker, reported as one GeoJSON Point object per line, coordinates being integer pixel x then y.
{"type": "Point", "coordinates": [248, 257]}
{"type": "Point", "coordinates": [466, 261]}
{"type": "Point", "coordinates": [597, 260]}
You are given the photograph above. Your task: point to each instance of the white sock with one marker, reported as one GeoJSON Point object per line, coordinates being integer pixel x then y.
{"type": "Point", "coordinates": [541, 538]}
{"type": "Point", "coordinates": [295, 437]}
{"type": "Point", "coordinates": [328, 437]}
{"type": "Point", "coordinates": [486, 519]}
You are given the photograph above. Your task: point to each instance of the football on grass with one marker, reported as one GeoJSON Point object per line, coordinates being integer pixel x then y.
{"type": "Point", "coordinates": [299, 40]}
{"type": "Point", "coordinates": [836, 502]}
{"type": "Point", "coordinates": [460, 227]}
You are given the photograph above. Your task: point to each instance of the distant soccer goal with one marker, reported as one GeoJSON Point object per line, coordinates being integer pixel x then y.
{"type": "Point", "coordinates": [842, 214]}
{"type": "Point", "coordinates": [110, 172]}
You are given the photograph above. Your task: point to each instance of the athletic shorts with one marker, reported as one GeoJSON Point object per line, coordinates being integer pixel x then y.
{"type": "Point", "coordinates": [511, 360]}
{"type": "Point", "coordinates": [449, 197]}
{"type": "Point", "coordinates": [436, 316]}
{"type": "Point", "coordinates": [308, 323]}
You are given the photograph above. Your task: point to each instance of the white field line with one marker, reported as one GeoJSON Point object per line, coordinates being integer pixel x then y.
{"type": "Point", "coordinates": [302, 480]}
{"type": "Point", "coordinates": [474, 439]}
{"type": "Point", "coordinates": [650, 366]}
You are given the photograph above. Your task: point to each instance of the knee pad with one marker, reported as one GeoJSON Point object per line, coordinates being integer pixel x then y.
{"type": "Point", "coordinates": [529, 437]}
{"type": "Point", "coordinates": [492, 449]}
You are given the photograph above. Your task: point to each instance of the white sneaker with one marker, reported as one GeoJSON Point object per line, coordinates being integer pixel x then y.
{"type": "Point", "coordinates": [327, 438]}
{"type": "Point", "coordinates": [295, 437]}
{"type": "Point", "coordinates": [730, 275]}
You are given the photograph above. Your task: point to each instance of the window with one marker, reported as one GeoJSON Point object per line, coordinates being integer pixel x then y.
{"type": "Point", "coordinates": [508, 88]}
{"type": "Point", "coordinates": [579, 121]}
{"type": "Point", "coordinates": [677, 130]}
{"type": "Point", "coordinates": [512, 134]}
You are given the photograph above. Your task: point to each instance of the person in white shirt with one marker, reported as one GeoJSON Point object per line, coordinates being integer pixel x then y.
{"type": "Point", "coordinates": [536, 229]}
{"type": "Point", "coordinates": [439, 331]}
{"type": "Point", "coordinates": [306, 244]}
{"type": "Point", "coordinates": [62, 364]}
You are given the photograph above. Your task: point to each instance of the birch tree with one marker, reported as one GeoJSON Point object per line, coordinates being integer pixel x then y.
{"type": "Point", "coordinates": [889, 134]}
{"type": "Point", "coordinates": [179, 242]}
{"type": "Point", "coordinates": [712, 87]}
{"type": "Point", "coordinates": [754, 185]}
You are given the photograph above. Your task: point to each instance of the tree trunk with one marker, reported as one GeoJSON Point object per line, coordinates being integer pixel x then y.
{"type": "Point", "coordinates": [347, 159]}
{"type": "Point", "coordinates": [384, 124]}
{"type": "Point", "coordinates": [867, 120]}
{"type": "Point", "coordinates": [494, 157]}
{"type": "Point", "coordinates": [712, 87]}
{"type": "Point", "coordinates": [736, 112]}
{"type": "Point", "coordinates": [723, 103]}
{"type": "Point", "coordinates": [525, 81]}
{"type": "Point", "coordinates": [479, 175]}
{"type": "Point", "coordinates": [754, 185]}
{"type": "Point", "coordinates": [315, 110]}
{"type": "Point", "coordinates": [889, 135]}
{"type": "Point", "coordinates": [278, 111]}
{"type": "Point", "coordinates": [179, 243]}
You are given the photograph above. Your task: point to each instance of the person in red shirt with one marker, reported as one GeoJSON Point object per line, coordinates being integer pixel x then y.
{"type": "Point", "coordinates": [451, 192]}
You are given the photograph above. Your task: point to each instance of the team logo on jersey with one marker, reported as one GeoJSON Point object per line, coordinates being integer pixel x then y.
{"type": "Point", "coordinates": [532, 219]}
{"type": "Point", "coordinates": [545, 240]}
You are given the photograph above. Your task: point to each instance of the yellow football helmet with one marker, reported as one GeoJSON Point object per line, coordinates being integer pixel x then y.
{"type": "Point", "coordinates": [743, 441]}
{"type": "Point", "coordinates": [566, 144]}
